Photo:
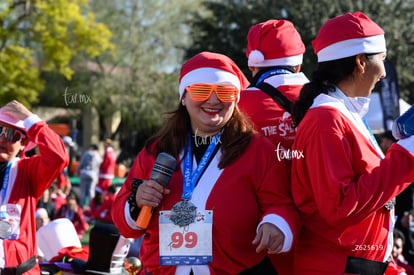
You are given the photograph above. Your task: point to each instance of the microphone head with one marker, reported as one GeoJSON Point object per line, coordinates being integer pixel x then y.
{"type": "Point", "coordinates": [163, 169]}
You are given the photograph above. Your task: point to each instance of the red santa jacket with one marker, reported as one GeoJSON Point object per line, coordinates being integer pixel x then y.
{"type": "Point", "coordinates": [103, 213]}
{"type": "Point", "coordinates": [340, 186]}
{"type": "Point", "coordinates": [253, 186]}
{"type": "Point", "coordinates": [274, 122]}
{"type": "Point", "coordinates": [28, 179]}
{"type": "Point", "coordinates": [268, 117]}
{"type": "Point", "coordinates": [107, 167]}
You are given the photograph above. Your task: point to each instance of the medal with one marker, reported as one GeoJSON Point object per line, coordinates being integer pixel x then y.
{"type": "Point", "coordinates": [183, 213]}
{"type": "Point", "coordinates": [6, 229]}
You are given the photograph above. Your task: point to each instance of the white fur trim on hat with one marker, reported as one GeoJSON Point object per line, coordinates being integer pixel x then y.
{"type": "Point", "coordinates": [210, 76]}
{"type": "Point", "coordinates": [351, 47]}
{"type": "Point", "coordinates": [285, 61]}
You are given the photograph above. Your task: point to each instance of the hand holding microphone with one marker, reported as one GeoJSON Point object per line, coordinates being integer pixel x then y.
{"type": "Point", "coordinates": [161, 173]}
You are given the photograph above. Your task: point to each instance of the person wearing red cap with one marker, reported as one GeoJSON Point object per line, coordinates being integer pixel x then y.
{"type": "Point", "coordinates": [343, 186]}
{"type": "Point", "coordinates": [23, 180]}
{"type": "Point", "coordinates": [275, 53]}
{"type": "Point", "coordinates": [221, 212]}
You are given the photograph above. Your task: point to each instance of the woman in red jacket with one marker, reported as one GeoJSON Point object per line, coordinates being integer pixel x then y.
{"type": "Point", "coordinates": [342, 183]}
{"type": "Point", "coordinates": [227, 203]}
{"type": "Point", "coordinates": [23, 180]}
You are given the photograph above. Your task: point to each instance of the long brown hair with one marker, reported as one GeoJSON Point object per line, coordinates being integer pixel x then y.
{"type": "Point", "coordinates": [172, 137]}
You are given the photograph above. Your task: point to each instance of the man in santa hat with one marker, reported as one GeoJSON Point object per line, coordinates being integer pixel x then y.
{"type": "Point", "coordinates": [275, 52]}
{"type": "Point", "coordinates": [23, 180]}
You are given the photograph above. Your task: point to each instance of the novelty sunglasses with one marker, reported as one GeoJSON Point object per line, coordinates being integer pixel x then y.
{"type": "Point", "coordinates": [11, 135]}
{"type": "Point", "coordinates": [224, 92]}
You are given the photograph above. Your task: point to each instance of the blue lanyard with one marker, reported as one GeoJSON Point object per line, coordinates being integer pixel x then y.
{"type": "Point", "coordinates": [190, 179]}
{"type": "Point", "coordinates": [5, 182]}
{"type": "Point", "coordinates": [271, 73]}
{"type": "Point", "coordinates": [373, 141]}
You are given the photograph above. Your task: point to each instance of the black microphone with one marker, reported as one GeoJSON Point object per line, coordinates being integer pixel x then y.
{"type": "Point", "coordinates": [162, 172]}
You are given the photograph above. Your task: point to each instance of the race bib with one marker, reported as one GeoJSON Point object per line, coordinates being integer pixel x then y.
{"type": "Point", "coordinates": [10, 221]}
{"type": "Point", "coordinates": [188, 245]}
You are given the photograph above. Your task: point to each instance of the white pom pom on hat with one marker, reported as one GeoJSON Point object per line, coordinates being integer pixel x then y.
{"type": "Point", "coordinates": [256, 57]}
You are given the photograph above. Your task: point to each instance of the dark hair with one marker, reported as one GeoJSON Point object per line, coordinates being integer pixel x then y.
{"type": "Point", "coordinates": [326, 75]}
{"type": "Point", "coordinates": [94, 147]}
{"type": "Point", "coordinates": [398, 234]}
{"type": "Point", "coordinates": [111, 189]}
{"type": "Point", "coordinates": [72, 195]}
{"type": "Point", "coordinates": [173, 135]}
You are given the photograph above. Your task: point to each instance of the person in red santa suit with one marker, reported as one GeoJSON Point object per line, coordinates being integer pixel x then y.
{"type": "Point", "coordinates": [103, 213]}
{"type": "Point", "coordinates": [107, 167]}
{"type": "Point", "coordinates": [275, 52]}
{"type": "Point", "coordinates": [342, 184]}
{"type": "Point", "coordinates": [228, 202]}
{"type": "Point", "coordinates": [23, 180]}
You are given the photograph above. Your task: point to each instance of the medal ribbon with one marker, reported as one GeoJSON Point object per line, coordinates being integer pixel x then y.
{"type": "Point", "coordinates": [190, 179]}
{"type": "Point", "coordinates": [373, 140]}
{"type": "Point", "coordinates": [5, 182]}
{"type": "Point", "coordinates": [271, 73]}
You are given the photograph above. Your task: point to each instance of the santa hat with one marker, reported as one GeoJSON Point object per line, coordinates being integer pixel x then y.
{"type": "Point", "coordinates": [348, 35]}
{"type": "Point", "coordinates": [18, 124]}
{"type": "Point", "coordinates": [211, 68]}
{"type": "Point", "coordinates": [274, 43]}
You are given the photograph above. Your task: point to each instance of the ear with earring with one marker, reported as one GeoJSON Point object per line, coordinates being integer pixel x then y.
{"type": "Point", "coordinates": [182, 102]}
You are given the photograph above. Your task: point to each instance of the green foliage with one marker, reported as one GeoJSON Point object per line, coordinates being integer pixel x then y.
{"type": "Point", "coordinates": [140, 79]}
{"type": "Point", "coordinates": [224, 28]}
{"type": "Point", "coordinates": [44, 35]}
{"type": "Point", "coordinates": [17, 75]}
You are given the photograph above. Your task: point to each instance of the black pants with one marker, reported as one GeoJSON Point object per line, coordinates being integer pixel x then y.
{"type": "Point", "coordinates": [362, 266]}
{"type": "Point", "coordinates": [265, 267]}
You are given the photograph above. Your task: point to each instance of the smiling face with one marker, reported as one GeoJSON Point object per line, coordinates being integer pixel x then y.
{"type": "Point", "coordinates": [209, 116]}
{"type": "Point", "coordinates": [9, 150]}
